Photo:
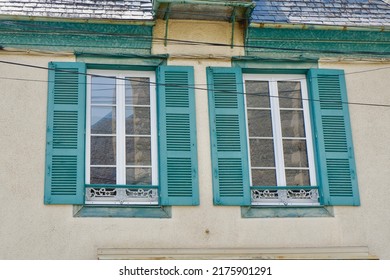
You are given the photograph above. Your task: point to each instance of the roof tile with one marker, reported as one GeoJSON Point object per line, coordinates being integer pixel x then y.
{"type": "Point", "coordinates": [326, 12]}
{"type": "Point", "coordinates": [88, 9]}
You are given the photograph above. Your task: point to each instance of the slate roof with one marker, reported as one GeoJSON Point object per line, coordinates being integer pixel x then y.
{"type": "Point", "coordinates": [84, 9]}
{"type": "Point", "coordinates": [323, 12]}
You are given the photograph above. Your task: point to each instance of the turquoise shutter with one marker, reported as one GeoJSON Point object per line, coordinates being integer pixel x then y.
{"type": "Point", "coordinates": [333, 138]}
{"type": "Point", "coordinates": [64, 181]}
{"type": "Point", "coordinates": [177, 136]}
{"type": "Point", "coordinates": [228, 137]}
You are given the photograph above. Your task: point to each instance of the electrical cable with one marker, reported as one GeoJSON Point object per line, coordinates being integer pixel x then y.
{"type": "Point", "coordinates": [196, 86]}
{"type": "Point", "coordinates": [192, 43]}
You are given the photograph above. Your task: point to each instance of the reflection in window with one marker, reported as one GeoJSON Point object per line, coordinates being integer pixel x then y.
{"type": "Point", "coordinates": [278, 125]}
{"type": "Point", "coordinates": [120, 134]}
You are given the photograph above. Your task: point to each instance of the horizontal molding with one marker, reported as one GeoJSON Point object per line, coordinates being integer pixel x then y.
{"type": "Point", "coordinates": [274, 64]}
{"type": "Point", "coordinates": [76, 37]}
{"type": "Point", "coordinates": [347, 252]}
{"type": "Point", "coordinates": [286, 212]}
{"type": "Point", "coordinates": [121, 212]}
{"type": "Point", "coordinates": [317, 43]}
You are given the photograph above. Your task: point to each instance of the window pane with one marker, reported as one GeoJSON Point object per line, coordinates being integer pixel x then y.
{"type": "Point", "coordinates": [265, 177]}
{"type": "Point", "coordinates": [138, 176]}
{"type": "Point", "coordinates": [295, 153]}
{"type": "Point", "coordinates": [103, 175]}
{"type": "Point", "coordinates": [138, 120]}
{"type": "Point", "coordinates": [290, 94]}
{"type": "Point", "coordinates": [103, 150]}
{"type": "Point", "coordinates": [262, 153]}
{"type": "Point", "coordinates": [297, 178]}
{"type": "Point", "coordinates": [292, 123]}
{"type": "Point", "coordinates": [138, 151]}
{"type": "Point", "coordinates": [137, 91]}
{"type": "Point", "coordinates": [259, 123]}
{"type": "Point", "coordinates": [103, 90]}
{"type": "Point", "coordinates": [103, 120]}
{"type": "Point", "coordinates": [257, 94]}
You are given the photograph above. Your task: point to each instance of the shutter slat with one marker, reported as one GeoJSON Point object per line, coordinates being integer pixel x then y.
{"type": "Point", "coordinates": [228, 137]}
{"type": "Point", "coordinates": [177, 136]}
{"type": "Point", "coordinates": [338, 183]}
{"type": "Point", "coordinates": [64, 181]}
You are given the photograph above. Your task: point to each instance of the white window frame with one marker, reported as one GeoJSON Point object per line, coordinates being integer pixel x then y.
{"type": "Point", "coordinates": [273, 79]}
{"type": "Point", "coordinates": [120, 106]}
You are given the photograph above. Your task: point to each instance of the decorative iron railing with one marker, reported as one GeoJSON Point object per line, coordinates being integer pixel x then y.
{"type": "Point", "coordinates": [121, 194]}
{"type": "Point", "coordinates": [290, 195]}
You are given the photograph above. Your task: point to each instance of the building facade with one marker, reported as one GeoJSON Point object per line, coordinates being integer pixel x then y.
{"type": "Point", "coordinates": [194, 129]}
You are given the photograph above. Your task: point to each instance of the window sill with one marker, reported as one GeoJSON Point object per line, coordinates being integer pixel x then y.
{"type": "Point", "coordinates": [104, 211]}
{"type": "Point", "coordinates": [286, 212]}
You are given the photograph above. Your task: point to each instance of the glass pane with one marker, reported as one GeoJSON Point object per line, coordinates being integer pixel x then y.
{"type": "Point", "coordinates": [297, 178]}
{"type": "Point", "coordinates": [138, 120]}
{"type": "Point", "coordinates": [138, 176]}
{"type": "Point", "coordinates": [295, 153]}
{"type": "Point", "coordinates": [103, 175]}
{"type": "Point", "coordinates": [103, 150]}
{"type": "Point", "coordinates": [290, 94]}
{"type": "Point", "coordinates": [103, 120]}
{"type": "Point", "coordinates": [138, 91]}
{"type": "Point", "coordinates": [103, 90]}
{"type": "Point", "coordinates": [138, 151]}
{"type": "Point", "coordinates": [259, 123]}
{"type": "Point", "coordinates": [257, 94]}
{"type": "Point", "coordinates": [262, 152]}
{"type": "Point", "coordinates": [265, 177]}
{"type": "Point", "coordinates": [292, 123]}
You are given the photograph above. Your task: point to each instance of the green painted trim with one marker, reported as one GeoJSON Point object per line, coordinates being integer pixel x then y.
{"type": "Point", "coordinates": [318, 27]}
{"type": "Point", "coordinates": [275, 64]}
{"type": "Point", "coordinates": [315, 42]}
{"type": "Point", "coordinates": [123, 62]}
{"type": "Point", "coordinates": [121, 186]}
{"type": "Point", "coordinates": [286, 212]}
{"type": "Point", "coordinates": [121, 67]}
{"type": "Point", "coordinates": [278, 70]}
{"type": "Point", "coordinates": [156, 212]}
{"type": "Point", "coordinates": [166, 18]}
{"type": "Point", "coordinates": [233, 19]}
{"type": "Point", "coordinates": [152, 57]}
{"type": "Point", "coordinates": [76, 37]}
{"type": "Point", "coordinates": [283, 187]}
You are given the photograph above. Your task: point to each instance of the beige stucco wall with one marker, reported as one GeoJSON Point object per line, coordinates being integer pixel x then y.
{"type": "Point", "coordinates": [31, 230]}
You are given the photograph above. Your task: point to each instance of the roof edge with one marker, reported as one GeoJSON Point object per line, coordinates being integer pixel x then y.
{"type": "Point", "coordinates": [150, 22]}
{"type": "Point", "coordinates": [319, 27]}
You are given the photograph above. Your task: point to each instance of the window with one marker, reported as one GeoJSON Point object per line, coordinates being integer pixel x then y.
{"type": "Point", "coordinates": [121, 137]}
{"type": "Point", "coordinates": [279, 140]}
{"type": "Point", "coordinates": [284, 144]}
{"type": "Point", "coordinates": [121, 144]}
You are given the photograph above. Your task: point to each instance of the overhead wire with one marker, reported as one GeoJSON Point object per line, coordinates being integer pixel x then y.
{"type": "Point", "coordinates": [194, 86]}
{"type": "Point", "coordinates": [180, 41]}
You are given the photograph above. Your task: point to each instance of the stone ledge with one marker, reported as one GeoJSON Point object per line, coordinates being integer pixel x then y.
{"type": "Point", "coordinates": [335, 253]}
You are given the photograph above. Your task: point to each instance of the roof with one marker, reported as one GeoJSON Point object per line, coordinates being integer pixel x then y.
{"type": "Point", "coordinates": [323, 12]}
{"type": "Point", "coordinates": [83, 9]}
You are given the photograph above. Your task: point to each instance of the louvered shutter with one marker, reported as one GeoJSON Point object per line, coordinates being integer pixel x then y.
{"type": "Point", "coordinates": [177, 136]}
{"type": "Point", "coordinates": [228, 137]}
{"type": "Point", "coordinates": [64, 181]}
{"type": "Point", "coordinates": [337, 171]}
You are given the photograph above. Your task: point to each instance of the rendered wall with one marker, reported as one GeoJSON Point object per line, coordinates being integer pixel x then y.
{"type": "Point", "coordinates": [31, 230]}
